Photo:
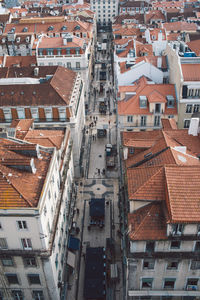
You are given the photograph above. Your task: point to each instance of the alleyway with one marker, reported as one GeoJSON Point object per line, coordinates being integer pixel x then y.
{"type": "Point", "coordinates": [98, 181]}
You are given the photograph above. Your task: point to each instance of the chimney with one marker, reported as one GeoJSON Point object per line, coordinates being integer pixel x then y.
{"type": "Point", "coordinates": [194, 127]}
{"type": "Point", "coordinates": [160, 36]}
{"type": "Point", "coordinates": [64, 41]}
{"type": "Point", "coordinates": [36, 71]}
{"type": "Point", "coordinates": [159, 62]}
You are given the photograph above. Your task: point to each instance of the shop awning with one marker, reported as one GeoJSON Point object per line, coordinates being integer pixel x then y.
{"type": "Point", "coordinates": [73, 243]}
{"type": "Point", "coordinates": [71, 259]}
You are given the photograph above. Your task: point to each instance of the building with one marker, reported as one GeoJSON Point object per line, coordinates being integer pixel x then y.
{"type": "Point", "coordinates": [105, 10]}
{"type": "Point", "coordinates": [141, 106]}
{"type": "Point", "coordinates": [36, 174]}
{"type": "Point", "coordinates": [52, 96]}
{"type": "Point", "coordinates": [162, 213]}
{"type": "Point", "coordinates": [184, 73]}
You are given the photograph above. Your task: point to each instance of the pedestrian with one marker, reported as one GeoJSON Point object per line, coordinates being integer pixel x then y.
{"type": "Point", "coordinates": [99, 171]}
{"type": "Point", "coordinates": [95, 122]}
{"type": "Point", "coordinates": [93, 137]}
{"type": "Point", "coordinates": [93, 117]}
{"type": "Point", "coordinates": [96, 119]}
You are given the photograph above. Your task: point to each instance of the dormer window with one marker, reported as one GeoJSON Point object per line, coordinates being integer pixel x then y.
{"type": "Point", "coordinates": [143, 101]}
{"type": "Point", "coordinates": [170, 101]}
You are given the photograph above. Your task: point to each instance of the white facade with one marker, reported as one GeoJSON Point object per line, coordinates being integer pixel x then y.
{"type": "Point", "coordinates": [36, 241]}
{"type": "Point", "coordinates": [141, 69]}
{"type": "Point", "coordinates": [105, 10]}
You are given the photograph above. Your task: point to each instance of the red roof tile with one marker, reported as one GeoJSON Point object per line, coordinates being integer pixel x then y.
{"type": "Point", "coordinates": [147, 223]}
{"type": "Point", "coordinates": [183, 189]}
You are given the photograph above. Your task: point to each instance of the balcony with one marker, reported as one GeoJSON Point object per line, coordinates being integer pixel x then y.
{"type": "Point", "coordinates": [59, 56]}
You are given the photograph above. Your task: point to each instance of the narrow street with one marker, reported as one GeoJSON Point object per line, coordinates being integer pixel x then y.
{"type": "Point", "coordinates": [99, 181]}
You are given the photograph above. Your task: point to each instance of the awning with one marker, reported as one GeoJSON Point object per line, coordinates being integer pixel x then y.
{"type": "Point", "coordinates": [73, 243]}
{"type": "Point", "coordinates": [71, 259]}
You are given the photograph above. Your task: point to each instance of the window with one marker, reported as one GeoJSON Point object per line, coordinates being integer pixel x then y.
{"type": "Point", "coordinates": [169, 283]}
{"type": "Point", "coordinates": [192, 284]}
{"type": "Point", "coordinates": [129, 118]}
{"type": "Point", "coordinates": [177, 229]}
{"type": "Point", "coordinates": [157, 107]}
{"type": "Point", "coordinates": [7, 114]}
{"type": "Point", "coordinates": [62, 117]}
{"type": "Point", "coordinates": [197, 246]}
{"type": "Point", "coordinates": [172, 265]}
{"type": "Point", "coordinates": [190, 92]}
{"type": "Point", "coordinates": [38, 295]}
{"type": "Point", "coordinates": [3, 243]}
{"type": "Point", "coordinates": [195, 265]}
{"type": "Point", "coordinates": [21, 224]}
{"type": "Point", "coordinates": [48, 113]}
{"type": "Point", "coordinates": [196, 108]}
{"type": "Point", "coordinates": [150, 246]}
{"type": "Point", "coordinates": [78, 65]}
{"type": "Point", "coordinates": [30, 261]}
{"type": "Point", "coordinates": [56, 260]}
{"type": "Point", "coordinates": [33, 278]}
{"type": "Point", "coordinates": [157, 121]}
{"type": "Point", "coordinates": [188, 108]}
{"type": "Point", "coordinates": [147, 283]}
{"type": "Point", "coordinates": [67, 51]}
{"type": "Point", "coordinates": [7, 261]}
{"type": "Point", "coordinates": [12, 278]}
{"type": "Point", "coordinates": [77, 51]}
{"type": "Point", "coordinates": [175, 244]}
{"type": "Point", "coordinates": [131, 150]}
{"type": "Point", "coordinates": [186, 123]}
{"type": "Point", "coordinates": [17, 295]}
{"type": "Point", "coordinates": [148, 264]}
{"type": "Point", "coordinates": [26, 244]}
{"type": "Point", "coordinates": [143, 120]}
{"type": "Point", "coordinates": [20, 112]}
{"type": "Point", "coordinates": [45, 210]}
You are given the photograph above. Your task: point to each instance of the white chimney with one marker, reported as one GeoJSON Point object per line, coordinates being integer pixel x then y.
{"type": "Point", "coordinates": [194, 127]}
{"type": "Point", "coordinates": [160, 36]}
{"type": "Point", "coordinates": [64, 41]}
{"type": "Point", "coordinates": [125, 150]}
{"type": "Point", "coordinates": [159, 62]}
{"type": "Point", "coordinates": [36, 71]}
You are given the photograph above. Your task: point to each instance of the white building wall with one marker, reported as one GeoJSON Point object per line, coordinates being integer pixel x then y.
{"type": "Point", "coordinates": [140, 69]}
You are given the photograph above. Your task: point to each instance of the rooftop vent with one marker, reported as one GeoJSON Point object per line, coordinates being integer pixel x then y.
{"type": "Point", "coordinates": [148, 154]}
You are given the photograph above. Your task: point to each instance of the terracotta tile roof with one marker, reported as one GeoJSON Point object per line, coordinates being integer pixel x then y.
{"type": "Point", "coordinates": [155, 31]}
{"type": "Point", "coordinates": [147, 223]}
{"type": "Point", "coordinates": [19, 188]}
{"type": "Point", "coordinates": [138, 143]}
{"type": "Point", "coordinates": [71, 26]}
{"type": "Point", "coordinates": [173, 36]}
{"type": "Point", "coordinates": [168, 124]}
{"type": "Point", "coordinates": [22, 61]}
{"type": "Point", "coordinates": [168, 4]}
{"type": "Point", "coordinates": [180, 26]}
{"type": "Point", "coordinates": [191, 72]}
{"type": "Point", "coordinates": [21, 127]}
{"type": "Point", "coordinates": [127, 88]}
{"type": "Point", "coordinates": [138, 17]}
{"type": "Point", "coordinates": [46, 138]}
{"type": "Point", "coordinates": [132, 105]}
{"type": "Point", "coordinates": [155, 97]}
{"type": "Point", "coordinates": [183, 188]}
{"type": "Point", "coordinates": [127, 49]}
{"type": "Point", "coordinates": [195, 47]}
{"type": "Point", "coordinates": [146, 183]}
{"type": "Point", "coordinates": [57, 42]}
{"type": "Point", "coordinates": [141, 48]}
{"type": "Point", "coordinates": [154, 15]}
{"type": "Point", "coordinates": [153, 60]}
{"type": "Point", "coordinates": [164, 151]}
{"type": "Point", "coordinates": [54, 91]}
